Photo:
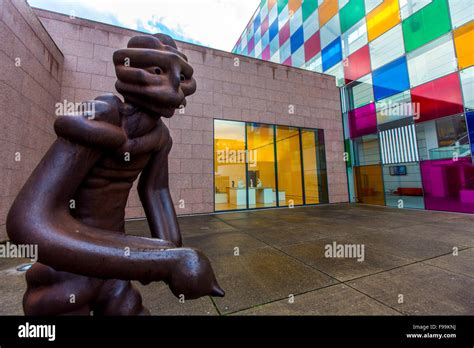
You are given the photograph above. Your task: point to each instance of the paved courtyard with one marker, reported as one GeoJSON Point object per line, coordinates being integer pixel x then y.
{"type": "Point", "coordinates": [272, 262]}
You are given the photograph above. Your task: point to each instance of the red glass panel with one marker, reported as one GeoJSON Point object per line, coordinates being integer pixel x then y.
{"type": "Point", "coordinates": [438, 98]}
{"type": "Point", "coordinates": [357, 64]}
{"type": "Point", "coordinates": [312, 46]}
{"type": "Point", "coordinates": [287, 61]}
{"type": "Point", "coordinates": [264, 26]}
{"type": "Point", "coordinates": [363, 121]}
{"type": "Point", "coordinates": [284, 33]}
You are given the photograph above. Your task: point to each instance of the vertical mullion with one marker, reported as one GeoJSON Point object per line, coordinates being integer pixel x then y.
{"type": "Point", "coordinates": [246, 168]}
{"type": "Point", "coordinates": [303, 192]}
{"type": "Point", "coordinates": [277, 190]}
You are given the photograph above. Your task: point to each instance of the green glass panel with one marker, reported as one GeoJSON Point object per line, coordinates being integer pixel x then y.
{"type": "Point", "coordinates": [308, 7]}
{"type": "Point", "coordinates": [350, 14]}
{"type": "Point", "coordinates": [429, 23]}
{"type": "Point", "coordinates": [281, 4]}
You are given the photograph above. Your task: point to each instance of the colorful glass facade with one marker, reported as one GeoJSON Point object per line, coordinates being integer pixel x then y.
{"type": "Point", "coordinates": [406, 72]}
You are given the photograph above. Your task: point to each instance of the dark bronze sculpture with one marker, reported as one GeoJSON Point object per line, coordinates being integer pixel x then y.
{"type": "Point", "coordinates": [86, 261]}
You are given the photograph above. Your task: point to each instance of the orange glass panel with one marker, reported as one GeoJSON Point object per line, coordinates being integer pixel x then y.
{"type": "Point", "coordinates": [369, 184]}
{"type": "Point", "coordinates": [271, 3]}
{"type": "Point", "coordinates": [464, 42]}
{"type": "Point", "coordinates": [327, 10]}
{"type": "Point", "coordinates": [382, 18]}
{"type": "Point", "coordinates": [293, 5]}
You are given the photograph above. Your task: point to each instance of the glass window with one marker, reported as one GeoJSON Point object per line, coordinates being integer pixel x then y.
{"type": "Point", "coordinates": [363, 121]}
{"type": "Point", "coordinates": [387, 47]}
{"type": "Point", "coordinates": [296, 21]}
{"type": "Point", "coordinates": [409, 7]}
{"type": "Point", "coordinates": [351, 13]}
{"type": "Point", "coordinates": [427, 24]}
{"type": "Point", "coordinates": [261, 165]}
{"type": "Point", "coordinates": [315, 63]}
{"type": "Point", "coordinates": [395, 108]}
{"type": "Point", "coordinates": [371, 4]}
{"type": "Point", "coordinates": [357, 64]}
{"type": "Point", "coordinates": [290, 188]}
{"type": "Point", "coordinates": [467, 83]}
{"type": "Point", "coordinates": [361, 92]}
{"type": "Point", "coordinates": [332, 54]}
{"type": "Point", "coordinates": [382, 18]}
{"type": "Point", "coordinates": [390, 79]}
{"type": "Point", "coordinates": [449, 185]}
{"type": "Point", "coordinates": [330, 31]}
{"type": "Point", "coordinates": [443, 138]}
{"type": "Point", "coordinates": [438, 98]}
{"type": "Point", "coordinates": [338, 72]}
{"type": "Point", "coordinates": [402, 184]}
{"type": "Point", "coordinates": [311, 24]}
{"type": "Point", "coordinates": [297, 58]}
{"type": "Point", "coordinates": [314, 164]}
{"type": "Point", "coordinates": [461, 12]}
{"type": "Point", "coordinates": [312, 46]}
{"type": "Point", "coordinates": [309, 9]}
{"type": "Point", "coordinates": [369, 184]}
{"type": "Point", "coordinates": [354, 38]}
{"type": "Point", "coordinates": [398, 143]}
{"type": "Point", "coordinates": [229, 165]}
{"type": "Point", "coordinates": [431, 61]}
{"type": "Point", "coordinates": [327, 10]}
{"type": "Point", "coordinates": [464, 40]}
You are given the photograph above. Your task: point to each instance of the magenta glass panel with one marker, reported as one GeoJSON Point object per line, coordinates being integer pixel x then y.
{"type": "Point", "coordinates": [363, 121]}
{"type": "Point", "coordinates": [449, 185]}
{"type": "Point", "coordinates": [266, 53]}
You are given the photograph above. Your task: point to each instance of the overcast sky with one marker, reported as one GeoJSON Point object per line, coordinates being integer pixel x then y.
{"type": "Point", "coordinates": [214, 23]}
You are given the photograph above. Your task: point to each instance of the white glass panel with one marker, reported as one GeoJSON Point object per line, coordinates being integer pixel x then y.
{"type": "Point", "coordinates": [263, 11]}
{"type": "Point", "coordinates": [354, 38]}
{"type": "Point", "coordinates": [283, 17]}
{"type": "Point", "coordinates": [338, 72]}
{"type": "Point", "coordinates": [342, 3]}
{"type": "Point", "coordinates": [467, 83]}
{"type": "Point", "coordinates": [371, 4]}
{"type": "Point", "coordinates": [285, 50]}
{"type": "Point", "coordinates": [386, 47]}
{"type": "Point", "coordinates": [276, 57]}
{"type": "Point", "coordinates": [315, 63]}
{"type": "Point", "coordinates": [431, 61]}
{"type": "Point", "coordinates": [258, 49]}
{"type": "Point", "coordinates": [273, 14]}
{"type": "Point", "coordinates": [409, 7]}
{"type": "Point", "coordinates": [297, 58]}
{"type": "Point", "coordinates": [330, 31]}
{"type": "Point", "coordinates": [394, 108]}
{"type": "Point", "coordinates": [462, 11]}
{"type": "Point", "coordinates": [362, 92]}
{"type": "Point", "coordinates": [296, 21]}
{"type": "Point", "coordinates": [311, 25]}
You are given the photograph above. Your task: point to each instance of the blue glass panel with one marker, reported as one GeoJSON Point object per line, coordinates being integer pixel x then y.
{"type": "Point", "coordinates": [332, 54]}
{"type": "Point", "coordinates": [390, 79]}
{"type": "Point", "coordinates": [297, 39]}
{"type": "Point", "coordinates": [470, 127]}
{"type": "Point", "coordinates": [256, 23]}
{"type": "Point", "coordinates": [273, 29]}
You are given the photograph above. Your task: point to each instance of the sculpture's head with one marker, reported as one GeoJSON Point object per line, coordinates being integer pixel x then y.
{"type": "Point", "coordinates": [153, 74]}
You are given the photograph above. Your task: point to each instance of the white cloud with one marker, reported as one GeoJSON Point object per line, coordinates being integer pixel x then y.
{"type": "Point", "coordinates": [214, 23]}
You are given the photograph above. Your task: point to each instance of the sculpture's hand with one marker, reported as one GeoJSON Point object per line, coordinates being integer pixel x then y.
{"type": "Point", "coordinates": [193, 276]}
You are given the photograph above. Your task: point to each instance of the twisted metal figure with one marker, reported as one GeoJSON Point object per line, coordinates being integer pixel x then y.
{"type": "Point", "coordinates": [84, 253]}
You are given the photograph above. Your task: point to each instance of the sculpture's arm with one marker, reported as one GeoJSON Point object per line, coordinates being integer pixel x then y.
{"type": "Point", "coordinates": [154, 192]}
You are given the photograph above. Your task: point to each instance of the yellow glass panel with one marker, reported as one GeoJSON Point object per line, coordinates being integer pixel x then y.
{"type": "Point", "coordinates": [464, 42]}
{"type": "Point", "coordinates": [369, 184]}
{"type": "Point", "coordinates": [229, 165]}
{"type": "Point", "coordinates": [382, 18]}
{"type": "Point", "coordinates": [261, 165]}
{"type": "Point", "coordinates": [289, 166]}
{"type": "Point", "coordinates": [327, 10]}
{"type": "Point", "coordinates": [310, 164]}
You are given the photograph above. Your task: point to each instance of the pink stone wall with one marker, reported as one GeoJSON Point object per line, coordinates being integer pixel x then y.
{"type": "Point", "coordinates": [30, 83]}
{"type": "Point", "coordinates": [252, 91]}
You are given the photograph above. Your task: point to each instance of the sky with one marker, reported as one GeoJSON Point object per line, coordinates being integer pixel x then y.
{"type": "Point", "coordinates": [213, 23]}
